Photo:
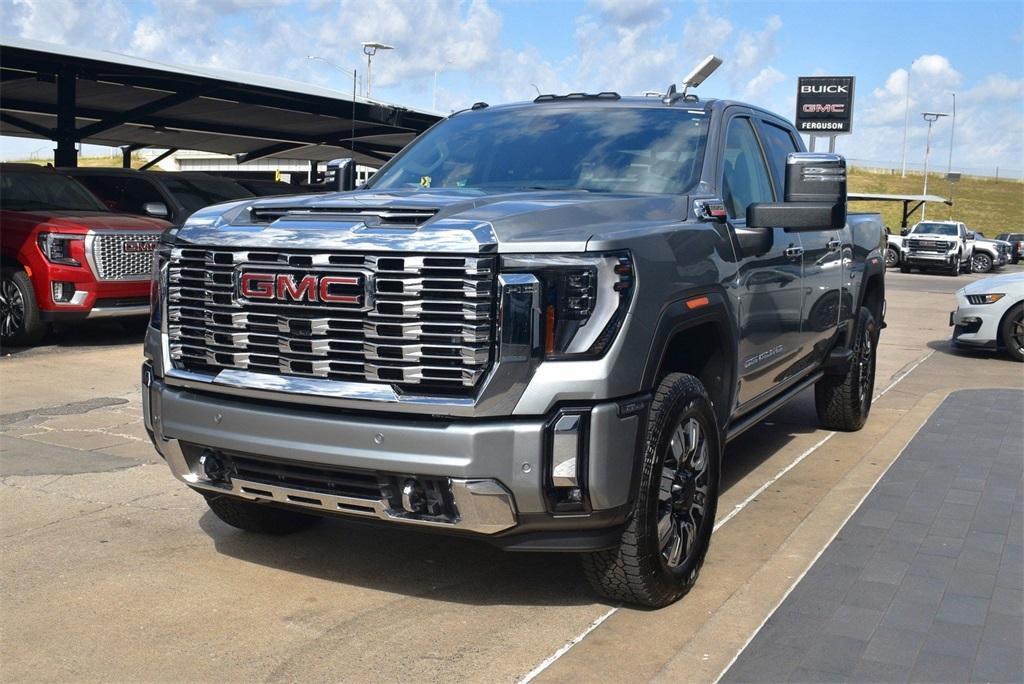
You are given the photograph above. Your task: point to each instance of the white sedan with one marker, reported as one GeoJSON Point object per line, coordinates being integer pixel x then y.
{"type": "Point", "coordinates": [990, 315]}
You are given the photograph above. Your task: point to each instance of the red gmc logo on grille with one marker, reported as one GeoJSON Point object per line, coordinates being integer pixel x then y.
{"type": "Point", "coordinates": [307, 289]}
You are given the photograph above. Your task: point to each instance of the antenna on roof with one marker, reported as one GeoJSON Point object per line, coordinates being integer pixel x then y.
{"type": "Point", "coordinates": [701, 72]}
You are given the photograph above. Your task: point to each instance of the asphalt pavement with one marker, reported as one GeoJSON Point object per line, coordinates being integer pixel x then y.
{"type": "Point", "coordinates": [111, 570]}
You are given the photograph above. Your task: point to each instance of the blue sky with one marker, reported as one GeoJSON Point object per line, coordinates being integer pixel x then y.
{"type": "Point", "coordinates": [493, 50]}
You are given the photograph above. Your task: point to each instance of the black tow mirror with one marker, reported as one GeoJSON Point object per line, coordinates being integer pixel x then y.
{"type": "Point", "coordinates": [815, 195]}
{"type": "Point", "coordinates": [341, 174]}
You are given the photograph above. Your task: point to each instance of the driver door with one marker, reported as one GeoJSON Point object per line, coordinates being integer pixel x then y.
{"type": "Point", "coordinates": [769, 278]}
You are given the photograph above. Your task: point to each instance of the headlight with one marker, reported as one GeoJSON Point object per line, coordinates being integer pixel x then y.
{"type": "Point", "coordinates": [985, 298]}
{"type": "Point", "coordinates": [584, 299]}
{"type": "Point", "coordinates": [158, 284]}
{"type": "Point", "coordinates": [56, 247]}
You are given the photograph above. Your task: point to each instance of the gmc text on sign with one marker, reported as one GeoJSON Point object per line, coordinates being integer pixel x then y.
{"type": "Point", "coordinates": [824, 105]}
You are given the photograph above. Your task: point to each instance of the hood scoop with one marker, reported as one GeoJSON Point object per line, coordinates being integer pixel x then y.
{"type": "Point", "coordinates": [371, 216]}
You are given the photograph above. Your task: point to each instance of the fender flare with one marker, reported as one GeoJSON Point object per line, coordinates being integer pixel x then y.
{"type": "Point", "coordinates": [676, 317]}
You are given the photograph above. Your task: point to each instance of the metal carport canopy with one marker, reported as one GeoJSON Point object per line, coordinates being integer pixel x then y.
{"type": "Point", "coordinates": [73, 95]}
{"type": "Point", "coordinates": [906, 199]}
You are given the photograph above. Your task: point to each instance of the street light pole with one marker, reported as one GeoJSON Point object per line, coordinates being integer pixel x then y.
{"type": "Point", "coordinates": [433, 105]}
{"type": "Point", "coordinates": [906, 126]}
{"type": "Point", "coordinates": [930, 117]}
{"type": "Point", "coordinates": [949, 166]}
{"type": "Point", "coordinates": [351, 72]}
{"type": "Point", "coordinates": [370, 49]}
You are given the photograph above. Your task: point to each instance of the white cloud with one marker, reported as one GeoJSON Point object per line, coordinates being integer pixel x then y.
{"type": "Point", "coordinates": [756, 49]}
{"type": "Point", "coordinates": [67, 21]}
{"type": "Point", "coordinates": [758, 87]}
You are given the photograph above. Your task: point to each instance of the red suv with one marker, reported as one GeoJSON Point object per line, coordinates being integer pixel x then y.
{"type": "Point", "coordinates": [65, 256]}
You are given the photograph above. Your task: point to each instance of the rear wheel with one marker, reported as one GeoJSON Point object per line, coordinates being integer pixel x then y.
{"type": "Point", "coordinates": [20, 323]}
{"type": "Point", "coordinates": [981, 262]}
{"type": "Point", "coordinates": [1011, 332]}
{"type": "Point", "coordinates": [844, 401]}
{"type": "Point", "coordinates": [261, 518]}
{"type": "Point", "coordinates": [664, 543]}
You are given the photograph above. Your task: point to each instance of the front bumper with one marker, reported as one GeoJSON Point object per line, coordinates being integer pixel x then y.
{"type": "Point", "coordinates": [498, 470]}
{"type": "Point", "coordinates": [974, 325]}
{"type": "Point", "coordinates": [932, 259]}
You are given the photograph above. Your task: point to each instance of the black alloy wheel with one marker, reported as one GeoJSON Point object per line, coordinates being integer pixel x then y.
{"type": "Point", "coordinates": [683, 497]}
{"type": "Point", "coordinates": [12, 309]}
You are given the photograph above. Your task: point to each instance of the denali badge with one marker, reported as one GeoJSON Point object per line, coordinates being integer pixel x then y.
{"type": "Point", "coordinates": [307, 289]}
{"type": "Point", "coordinates": [137, 246]}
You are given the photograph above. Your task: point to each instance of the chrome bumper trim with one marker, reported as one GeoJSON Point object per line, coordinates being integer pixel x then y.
{"type": "Point", "coordinates": [483, 506]}
{"type": "Point", "coordinates": [116, 311]}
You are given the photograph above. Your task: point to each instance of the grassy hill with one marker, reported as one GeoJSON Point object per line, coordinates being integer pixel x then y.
{"type": "Point", "coordinates": [992, 206]}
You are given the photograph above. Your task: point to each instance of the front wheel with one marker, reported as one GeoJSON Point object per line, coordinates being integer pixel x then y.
{"type": "Point", "coordinates": [20, 323]}
{"type": "Point", "coordinates": [904, 268]}
{"type": "Point", "coordinates": [664, 543]}
{"type": "Point", "coordinates": [892, 257]}
{"type": "Point", "coordinates": [844, 401]}
{"type": "Point", "coordinates": [1011, 332]}
{"type": "Point", "coordinates": [981, 263]}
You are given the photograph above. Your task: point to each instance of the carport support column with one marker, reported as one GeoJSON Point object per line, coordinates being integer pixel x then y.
{"type": "Point", "coordinates": [312, 171]}
{"type": "Point", "coordinates": [65, 153]}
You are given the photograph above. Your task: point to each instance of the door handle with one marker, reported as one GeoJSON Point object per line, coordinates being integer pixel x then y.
{"type": "Point", "coordinates": [794, 252]}
{"type": "Point", "coordinates": [833, 245]}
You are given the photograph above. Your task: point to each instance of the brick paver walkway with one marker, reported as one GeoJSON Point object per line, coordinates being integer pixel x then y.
{"type": "Point", "coordinates": [926, 581]}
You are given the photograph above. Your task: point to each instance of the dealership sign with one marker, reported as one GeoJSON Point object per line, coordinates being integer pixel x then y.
{"type": "Point", "coordinates": [824, 105]}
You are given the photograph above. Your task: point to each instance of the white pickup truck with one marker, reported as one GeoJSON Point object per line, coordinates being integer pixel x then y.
{"type": "Point", "coordinates": [940, 245]}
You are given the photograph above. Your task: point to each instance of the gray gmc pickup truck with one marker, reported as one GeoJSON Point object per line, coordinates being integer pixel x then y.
{"type": "Point", "coordinates": [539, 325]}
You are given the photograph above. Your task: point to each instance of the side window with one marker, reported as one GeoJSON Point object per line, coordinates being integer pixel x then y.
{"type": "Point", "coordinates": [137, 193]}
{"type": "Point", "coordinates": [779, 144]}
{"type": "Point", "coordinates": [109, 190]}
{"type": "Point", "coordinates": [745, 180]}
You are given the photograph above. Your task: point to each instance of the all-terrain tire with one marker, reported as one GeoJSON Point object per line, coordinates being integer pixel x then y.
{"type": "Point", "coordinates": [844, 401]}
{"type": "Point", "coordinates": [904, 268]}
{"type": "Point", "coordinates": [892, 257]}
{"type": "Point", "coordinates": [637, 570]}
{"type": "Point", "coordinates": [261, 518]}
{"type": "Point", "coordinates": [1011, 332]}
{"type": "Point", "coordinates": [20, 322]}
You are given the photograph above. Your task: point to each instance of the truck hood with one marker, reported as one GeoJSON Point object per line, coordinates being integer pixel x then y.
{"type": "Point", "coordinates": [431, 220]}
{"type": "Point", "coordinates": [75, 221]}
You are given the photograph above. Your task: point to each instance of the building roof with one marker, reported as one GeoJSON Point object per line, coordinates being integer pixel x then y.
{"type": "Point", "coordinates": [122, 100]}
{"type": "Point", "coordinates": [869, 197]}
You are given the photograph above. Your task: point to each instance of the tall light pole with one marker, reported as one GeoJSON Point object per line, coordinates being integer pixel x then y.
{"type": "Point", "coordinates": [930, 117]}
{"type": "Point", "coordinates": [370, 49]}
{"type": "Point", "coordinates": [906, 126]}
{"type": "Point", "coordinates": [952, 128]}
{"type": "Point", "coordinates": [350, 72]}
{"type": "Point", "coordinates": [433, 105]}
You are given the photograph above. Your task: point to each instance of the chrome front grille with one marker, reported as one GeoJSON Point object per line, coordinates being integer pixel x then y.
{"type": "Point", "coordinates": [121, 255]}
{"type": "Point", "coordinates": [937, 246]}
{"type": "Point", "coordinates": [414, 320]}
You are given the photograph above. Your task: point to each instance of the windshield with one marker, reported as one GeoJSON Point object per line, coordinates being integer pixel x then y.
{"type": "Point", "coordinates": [547, 147]}
{"type": "Point", "coordinates": [195, 194]}
{"type": "Point", "coordinates": [935, 229]}
{"type": "Point", "coordinates": [41, 190]}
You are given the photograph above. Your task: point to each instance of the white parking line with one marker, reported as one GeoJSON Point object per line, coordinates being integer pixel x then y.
{"type": "Point", "coordinates": [550, 660]}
